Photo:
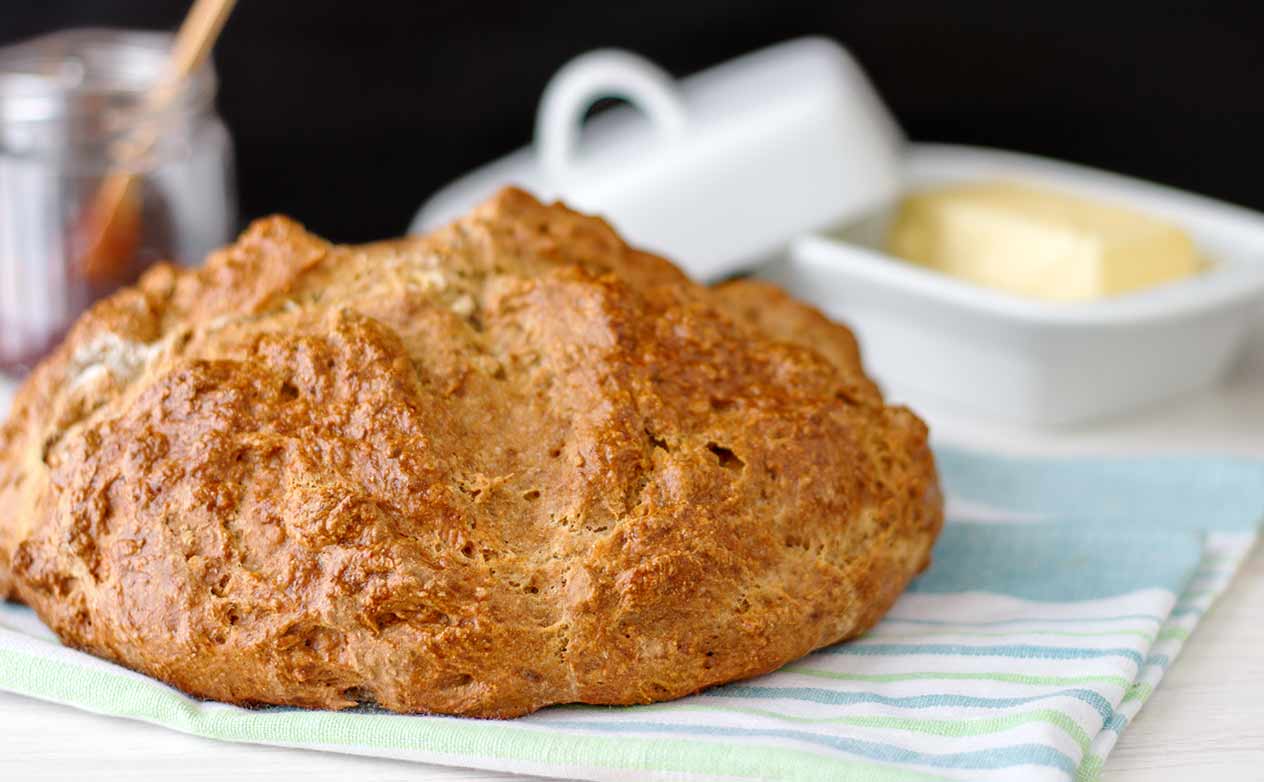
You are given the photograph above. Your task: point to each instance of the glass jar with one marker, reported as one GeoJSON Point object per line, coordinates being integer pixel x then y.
{"type": "Point", "coordinates": [69, 103]}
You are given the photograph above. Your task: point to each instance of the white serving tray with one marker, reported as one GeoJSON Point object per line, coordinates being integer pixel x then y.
{"type": "Point", "coordinates": [932, 338]}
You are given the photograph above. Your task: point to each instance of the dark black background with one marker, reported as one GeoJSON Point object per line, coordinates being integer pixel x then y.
{"type": "Point", "coordinates": [348, 114]}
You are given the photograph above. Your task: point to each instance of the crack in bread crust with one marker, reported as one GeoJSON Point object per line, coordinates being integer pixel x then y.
{"type": "Point", "coordinates": [510, 464]}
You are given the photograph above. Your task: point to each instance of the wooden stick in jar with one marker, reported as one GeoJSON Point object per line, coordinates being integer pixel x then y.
{"type": "Point", "coordinates": [110, 228]}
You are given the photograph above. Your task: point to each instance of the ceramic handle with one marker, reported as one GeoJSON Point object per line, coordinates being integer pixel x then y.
{"type": "Point", "coordinates": [606, 73]}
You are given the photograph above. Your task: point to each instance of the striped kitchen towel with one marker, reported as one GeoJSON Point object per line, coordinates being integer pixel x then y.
{"type": "Point", "coordinates": [1060, 593]}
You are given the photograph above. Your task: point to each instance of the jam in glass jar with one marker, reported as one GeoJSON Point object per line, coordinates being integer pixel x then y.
{"type": "Point", "coordinates": [69, 102]}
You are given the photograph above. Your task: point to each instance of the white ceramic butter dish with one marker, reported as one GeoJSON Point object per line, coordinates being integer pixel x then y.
{"type": "Point", "coordinates": [929, 337]}
{"type": "Point", "coordinates": [755, 159]}
{"type": "Point", "coordinates": [733, 162]}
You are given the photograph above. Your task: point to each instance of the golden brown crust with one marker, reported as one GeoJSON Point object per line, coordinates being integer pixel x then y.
{"type": "Point", "coordinates": [510, 464]}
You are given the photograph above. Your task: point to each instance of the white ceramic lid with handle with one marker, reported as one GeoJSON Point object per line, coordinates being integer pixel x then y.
{"type": "Point", "coordinates": [735, 162]}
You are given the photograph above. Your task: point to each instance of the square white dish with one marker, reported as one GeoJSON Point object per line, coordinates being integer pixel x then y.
{"type": "Point", "coordinates": [932, 339]}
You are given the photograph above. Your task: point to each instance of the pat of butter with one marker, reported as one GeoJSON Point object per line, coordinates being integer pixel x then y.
{"type": "Point", "coordinates": [1039, 243]}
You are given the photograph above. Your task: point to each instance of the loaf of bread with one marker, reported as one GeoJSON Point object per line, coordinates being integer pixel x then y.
{"type": "Point", "coordinates": [510, 464]}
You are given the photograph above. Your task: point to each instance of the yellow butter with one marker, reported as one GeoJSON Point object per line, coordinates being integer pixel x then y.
{"type": "Point", "coordinates": [1039, 243]}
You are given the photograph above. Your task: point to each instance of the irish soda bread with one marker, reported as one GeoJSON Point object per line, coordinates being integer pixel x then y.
{"type": "Point", "coordinates": [510, 464]}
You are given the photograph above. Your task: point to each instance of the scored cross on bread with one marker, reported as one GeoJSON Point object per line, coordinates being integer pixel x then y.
{"type": "Point", "coordinates": [512, 463]}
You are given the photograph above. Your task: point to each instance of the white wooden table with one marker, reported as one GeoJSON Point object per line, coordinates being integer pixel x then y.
{"type": "Point", "coordinates": [1206, 720]}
